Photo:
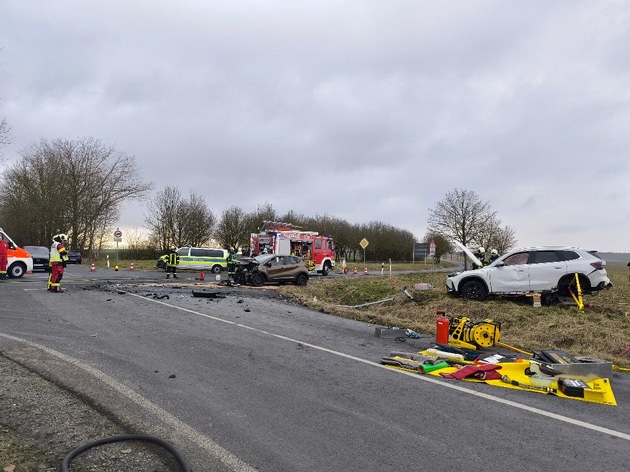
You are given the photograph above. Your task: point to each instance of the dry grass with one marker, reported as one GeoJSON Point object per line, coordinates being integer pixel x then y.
{"type": "Point", "coordinates": [602, 331]}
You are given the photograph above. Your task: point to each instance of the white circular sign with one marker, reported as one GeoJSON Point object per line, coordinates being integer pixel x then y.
{"type": "Point", "coordinates": [117, 233]}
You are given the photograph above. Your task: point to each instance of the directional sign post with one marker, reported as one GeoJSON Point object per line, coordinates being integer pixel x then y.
{"type": "Point", "coordinates": [364, 243]}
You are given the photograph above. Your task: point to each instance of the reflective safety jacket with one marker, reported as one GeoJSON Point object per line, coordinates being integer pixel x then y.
{"type": "Point", "coordinates": [58, 253]}
{"type": "Point", "coordinates": [172, 259]}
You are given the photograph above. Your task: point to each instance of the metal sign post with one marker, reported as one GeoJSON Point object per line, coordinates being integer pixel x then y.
{"type": "Point", "coordinates": [364, 243]}
{"type": "Point", "coordinates": [117, 238]}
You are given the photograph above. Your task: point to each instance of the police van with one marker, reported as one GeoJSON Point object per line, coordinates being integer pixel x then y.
{"type": "Point", "coordinates": [199, 258]}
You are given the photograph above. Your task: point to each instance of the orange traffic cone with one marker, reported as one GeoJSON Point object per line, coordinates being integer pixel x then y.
{"type": "Point", "coordinates": [92, 268]}
{"type": "Point", "coordinates": [365, 271]}
{"type": "Point", "coordinates": [355, 270]}
{"type": "Point", "coordinates": [131, 267]}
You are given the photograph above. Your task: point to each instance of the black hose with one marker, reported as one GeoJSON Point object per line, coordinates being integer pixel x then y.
{"type": "Point", "coordinates": [81, 449]}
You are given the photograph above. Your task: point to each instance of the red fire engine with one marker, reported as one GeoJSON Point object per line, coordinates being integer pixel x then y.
{"type": "Point", "coordinates": [285, 238]}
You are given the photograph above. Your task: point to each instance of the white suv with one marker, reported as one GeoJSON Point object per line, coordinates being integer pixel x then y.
{"type": "Point", "coordinates": [544, 269]}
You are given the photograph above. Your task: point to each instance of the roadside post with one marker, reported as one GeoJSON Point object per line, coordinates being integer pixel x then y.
{"type": "Point", "coordinates": [117, 238]}
{"type": "Point", "coordinates": [364, 243]}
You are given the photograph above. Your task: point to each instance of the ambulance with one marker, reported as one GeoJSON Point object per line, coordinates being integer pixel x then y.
{"type": "Point", "coordinates": [19, 260]}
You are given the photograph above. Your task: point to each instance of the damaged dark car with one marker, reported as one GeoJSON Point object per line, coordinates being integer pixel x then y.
{"type": "Point", "coordinates": [267, 268]}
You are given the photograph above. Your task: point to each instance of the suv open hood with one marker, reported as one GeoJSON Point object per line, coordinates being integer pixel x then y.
{"type": "Point", "coordinates": [468, 253]}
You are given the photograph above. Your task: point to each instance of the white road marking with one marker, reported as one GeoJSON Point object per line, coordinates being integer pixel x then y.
{"type": "Point", "coordinates": [193, 435]}
{"type": "Point", "coordinates": [465, 390]}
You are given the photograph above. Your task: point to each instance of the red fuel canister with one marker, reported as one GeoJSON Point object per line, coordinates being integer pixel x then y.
{"type": "Point", "coordinates": [442, 328]}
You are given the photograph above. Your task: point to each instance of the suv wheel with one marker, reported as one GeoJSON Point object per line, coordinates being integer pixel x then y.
{"type": "Point", "coordinates": [567, 285]}
{"type": "Point", "coordinates": [258, 279]}
{"type": "Point", "coordinates": [474, 290]}
{"type": "Point", "coordinates": [301, 280]}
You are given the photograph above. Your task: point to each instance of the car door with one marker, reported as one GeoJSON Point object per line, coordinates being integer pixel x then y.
{"type": "Point", "coordinates": [511, 275]}
{"type": "Point", "coordinates": [545, 270]}
{"type": "Point", "coordinates": [275, 267]}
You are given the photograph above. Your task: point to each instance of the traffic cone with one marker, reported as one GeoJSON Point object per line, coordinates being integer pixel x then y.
{"type": "Point", "coordinates": [131, 267]}
{"type": "Point", "coordinates": [92, 268]}
{"type": "Point", "coordinates": [365, 271]}
{"type": "Point", "coordinates": [355, 270]}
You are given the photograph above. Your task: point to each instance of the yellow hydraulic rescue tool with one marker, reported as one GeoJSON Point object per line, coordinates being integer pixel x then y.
{"type": "Point", "coordinates": [467, 334]}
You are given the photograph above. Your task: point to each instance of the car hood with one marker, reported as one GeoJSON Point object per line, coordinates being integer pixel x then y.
{"type": "Point", "coordinates": [468, 253]}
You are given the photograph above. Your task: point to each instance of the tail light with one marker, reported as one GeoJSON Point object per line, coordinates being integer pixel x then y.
{"type": "Point", "coordinates": [597, 265]}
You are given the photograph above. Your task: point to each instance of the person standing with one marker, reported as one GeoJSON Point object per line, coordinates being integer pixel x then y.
{"type": "Point", "coordinates": [4, 257]}
{"type": "Point", "coordinates": [58, 259]}
{"type": "Point", "coordinates": [172, 259]}
{"type": "Point", "coordinates": [231, 265]}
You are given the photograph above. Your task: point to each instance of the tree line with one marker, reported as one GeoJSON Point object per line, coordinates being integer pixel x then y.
{"type": "Point", "coordinates": [78, 187]}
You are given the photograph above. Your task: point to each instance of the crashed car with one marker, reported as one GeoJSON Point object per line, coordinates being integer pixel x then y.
{"type": "Point", "coordinates": [542, 269]}
{"type": "Point", "coordinates": [266, 268]}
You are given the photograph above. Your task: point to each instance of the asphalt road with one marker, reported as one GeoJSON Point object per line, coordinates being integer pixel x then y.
{"type": "Point", "coordinates": [246, 381]}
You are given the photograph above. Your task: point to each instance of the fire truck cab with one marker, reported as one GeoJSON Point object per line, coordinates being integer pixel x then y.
{"type": "Point", "coordinates": [287, 239]}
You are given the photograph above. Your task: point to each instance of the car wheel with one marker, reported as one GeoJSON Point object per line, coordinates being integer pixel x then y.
{"type": "Point", "coordinates": [258, 279]}
{"type": "Point", "coordinates": [301, 280]}
{"type": "Point", "coordinates": [326, 268]}
{"type": "Point", "coordinates": [16, 270]}
{"type": "Point", "coordinates": [216, 269]}
{"type": "Point", "coordinates": [474, 290]}
{"type": "Point", "coordinates": [567, 285]}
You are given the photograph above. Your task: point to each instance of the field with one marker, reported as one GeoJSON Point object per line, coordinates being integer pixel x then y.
{"type": "Point", "coordinates": [602, 331]}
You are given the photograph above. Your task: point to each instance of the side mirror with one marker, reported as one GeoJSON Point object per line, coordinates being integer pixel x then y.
{"type": "Point", "coordinates": [500, 264]}
{"type": "Point", "coordinates": [267, 264]}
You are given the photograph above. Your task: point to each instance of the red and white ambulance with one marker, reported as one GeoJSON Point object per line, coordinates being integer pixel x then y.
{"type": "Point", "coordinates": [19, 261]}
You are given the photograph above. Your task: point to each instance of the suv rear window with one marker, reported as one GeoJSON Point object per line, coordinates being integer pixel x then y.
{"type": "Point", "coordinates": [539, 257]}
{"type": "Point", "coordinates": [568, 255]}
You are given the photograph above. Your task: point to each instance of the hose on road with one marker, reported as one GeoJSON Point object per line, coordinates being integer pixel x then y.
{"type": "Point", "coordinates": [131, 437]}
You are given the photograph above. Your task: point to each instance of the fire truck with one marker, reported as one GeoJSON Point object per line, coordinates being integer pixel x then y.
{"type": "Point", "coordinates": [285, 238]}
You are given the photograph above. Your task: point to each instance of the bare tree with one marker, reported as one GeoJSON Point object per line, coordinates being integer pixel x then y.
{"type": "Point", "coordinates": [5, 134]}
{"type": "Point", "coordinates": [173, 221]}
{"type": "Point", "coordinates": [461, 216]}
{"type": "Point", "coordinates": [232, 230]}
{"type": "Point", "coordinates": [70, 186]}
{"type": "Point", "coordinates": [494, 236]}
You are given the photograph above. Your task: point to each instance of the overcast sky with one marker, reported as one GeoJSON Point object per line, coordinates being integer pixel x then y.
{"type": "Point", "coordinates": [365, 110]}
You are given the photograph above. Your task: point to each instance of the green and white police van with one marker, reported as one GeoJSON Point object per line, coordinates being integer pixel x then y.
{"type": "Point", "coordinates": [199, 258]}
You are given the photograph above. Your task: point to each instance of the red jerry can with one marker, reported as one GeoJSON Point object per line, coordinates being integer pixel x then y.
{"type": "Point", "coordinates": [442, 328]}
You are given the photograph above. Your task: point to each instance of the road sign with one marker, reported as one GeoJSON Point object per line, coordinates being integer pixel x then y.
{"type": "Point", "coordinates": [118, 234]}
{"type": "Point", "coordinates": [432, 248]}
{"type": "Point", "coordinates": [364, 243]}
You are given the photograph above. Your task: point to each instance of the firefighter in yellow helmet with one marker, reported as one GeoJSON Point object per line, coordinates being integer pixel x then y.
{"type": "Point", "coordinates": [58, 259]}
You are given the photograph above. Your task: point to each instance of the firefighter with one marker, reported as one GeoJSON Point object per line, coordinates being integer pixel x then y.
{"type": "Point", "coordinates": [4, 251]}
{"type": "Point", "coordinates": [480, 254]}
{"type": "Point", "coordinates": [172, 259]}
{"type": "Point", "coordinates": [494, 255]}
{"type": "Point", "coordinates": [58, 260]}
{"type": "Point", "coordinates": [231, 265]}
